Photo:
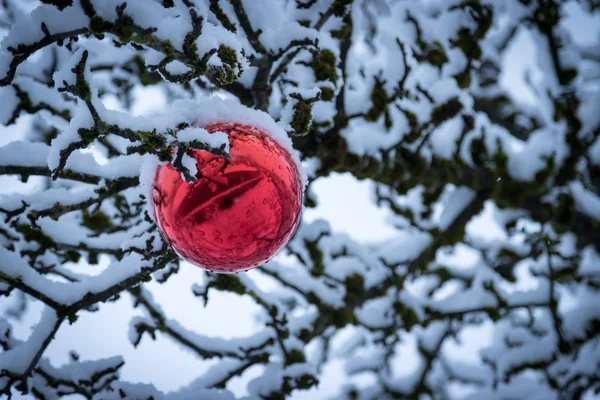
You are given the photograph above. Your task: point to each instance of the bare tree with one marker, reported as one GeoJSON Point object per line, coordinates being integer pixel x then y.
{"type": "Point", "coordinates": [406, 94]}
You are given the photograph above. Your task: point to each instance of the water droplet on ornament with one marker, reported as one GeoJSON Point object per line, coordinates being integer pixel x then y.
{"type": "Point", "coordinates": [248, 213]}
{"type": "Point", "coordinates": [156, 198]}
{"type": "Point", "coordinates": [264, 201]}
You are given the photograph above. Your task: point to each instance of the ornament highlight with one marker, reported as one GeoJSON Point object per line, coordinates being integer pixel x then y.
{"type": "Point", "coordinates": [240, 212]}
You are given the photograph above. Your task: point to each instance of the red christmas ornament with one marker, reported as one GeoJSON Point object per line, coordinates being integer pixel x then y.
{"type": "Point", "coordinates": [240, 212]}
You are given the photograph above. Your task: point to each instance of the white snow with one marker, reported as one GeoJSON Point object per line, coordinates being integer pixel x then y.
{"type": "Point", "coordinates": [9, 102]}
{"type": "Point", "coordinates": [215, 139]}
{"type": "Point", "coordinates": [459, 199]}
{"type": "Point", "coordinates": [18, 359]}
{"type": "Point", "coordinates": [585, 200]}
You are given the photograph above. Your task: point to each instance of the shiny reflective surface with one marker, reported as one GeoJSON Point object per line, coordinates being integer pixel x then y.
{"type": "Point", "coordinates": [240, 212]}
